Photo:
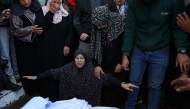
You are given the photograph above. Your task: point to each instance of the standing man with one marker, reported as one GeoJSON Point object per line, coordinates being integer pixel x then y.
{"type": "Point", "coordinates": [147, 37]}
{"type": "Point", "coordinates": [7, 47]}
{"type": "Point", "coordinates": [82, 20]}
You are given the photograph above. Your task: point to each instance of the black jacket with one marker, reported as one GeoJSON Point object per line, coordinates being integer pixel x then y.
{"type": "Point", "coordinates": [82, 15]}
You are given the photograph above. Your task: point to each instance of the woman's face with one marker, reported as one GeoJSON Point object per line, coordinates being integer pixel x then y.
{"type": "Point", "coordinates": [55, 3]}
{"type": "Point", "coordinates": [79, 61]}
{"type": "Point", "coordinates": [119, 2]}
{"type": "Point", "coordinates": [25, 3]}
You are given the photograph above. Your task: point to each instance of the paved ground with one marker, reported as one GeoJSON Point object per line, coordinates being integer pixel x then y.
{"type": "Point", "coordinates": [20, 103]}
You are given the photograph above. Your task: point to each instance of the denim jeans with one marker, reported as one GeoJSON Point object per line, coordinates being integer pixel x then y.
{"type": "Point", "coordinates": [7, 51]}
{"type": "Point", "coordinates": [157, 63]}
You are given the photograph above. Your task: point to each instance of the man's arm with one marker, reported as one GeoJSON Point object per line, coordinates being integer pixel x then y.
{"type": "Point", "coordinates": [180, 37]}
{"type": "Point", "coordinates": [129, 34]}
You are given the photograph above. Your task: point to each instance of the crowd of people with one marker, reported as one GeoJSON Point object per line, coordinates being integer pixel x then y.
{"type": "Point", "coordinates": [107, 52]}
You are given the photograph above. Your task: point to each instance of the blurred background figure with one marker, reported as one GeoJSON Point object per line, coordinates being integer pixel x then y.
{"type": "Point", "coordinates": [122, 6]}
{"type": "Point", "coordinates": [7, 47]}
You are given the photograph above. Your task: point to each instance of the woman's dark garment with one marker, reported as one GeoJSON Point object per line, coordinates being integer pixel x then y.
{"type": "Point", "coordinates": [79, 83]}
{"type": "Point", "coordinates": [106, 51]}
{"type": "Point", "coordinates": [25, 44]}
{"type": "Point", "coordinates": [50, 49]}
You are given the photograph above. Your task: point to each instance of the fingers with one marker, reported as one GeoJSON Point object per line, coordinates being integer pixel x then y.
{"type": "Point", "coordinates": [66, 50]}
{"type": "Point", "coordinates": [133, 86]}
{"type": "Point", "coordinates": [83, 36]}
{"type": "Point", "coordinates": [180, 19]}
{"type": "Point", "coordinates": [176, 63]}
{"type": "Point", "coordinates": [101, 71]}
{"type": "Point", "coordinates": [186, 16]}
{"type": "Point", "coordinates": [178, 81]}
{"type": "Point", "coordinates": [27, 77]}
{"type": "Point", "coordinates": [97, 74]}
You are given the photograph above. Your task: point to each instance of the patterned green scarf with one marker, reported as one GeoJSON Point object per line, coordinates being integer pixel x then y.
{"type": "Point", "coordinates": [101, 16]}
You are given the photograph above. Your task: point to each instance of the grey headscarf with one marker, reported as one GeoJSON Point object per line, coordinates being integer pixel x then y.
{"type": "Point", "coordinates": [101, 16]}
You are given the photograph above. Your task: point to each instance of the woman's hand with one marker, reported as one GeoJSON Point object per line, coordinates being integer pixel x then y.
{"type": "Point", "coordinates": [97, 71]}
{"type": "Point", "coordinates": [118, 68]}
{"type": "Point", "coordinates": [30, 77]}
{"type": "Point", "coordinates": [54, 7]}
{"type": "Point", "coordinates": [128, 86]}
{"type": "Point", "coordinates": [83, 36]}
{"type": "Point", "coordinates": [66, 50]}
{"type": "Point", "coordinates": [37, 30]}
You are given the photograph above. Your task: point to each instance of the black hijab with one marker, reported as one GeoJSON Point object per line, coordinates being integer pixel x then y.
{"type": "Point", "coordinates": [17, 9]}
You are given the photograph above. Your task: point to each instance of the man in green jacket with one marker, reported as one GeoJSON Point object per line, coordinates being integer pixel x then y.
{"type": "Point", "coordinates": [150, 27]}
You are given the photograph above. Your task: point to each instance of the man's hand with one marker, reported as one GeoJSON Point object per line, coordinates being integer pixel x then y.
{"type": "Point", "coordinates": [37, 30]}
{"type": "Point", "coordinates": [97, 71]}
{"type": "Point", "coordinates": [182, 60]}
{"type": "Point", "coordinates": [66, 50]}
{"type": "Point", "coordinates": [7, 13]}
{"type": "Point", "coordinates": [118, 68]}
{"type": "Point", "coordinates": [184, 22]}
{"type": "Point", "coordinates": [83, 36]}
{"type": "Point", "coordinates": [125, 63]}
{"type": "Point", "coordinates": [181, 84]}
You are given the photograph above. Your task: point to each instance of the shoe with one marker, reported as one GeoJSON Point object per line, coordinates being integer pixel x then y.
{"type": "Point", "coordinates": [17, 76]}
{"type": "Point", "coordinates": [13, 80]}
{"type": "Point", "coordinates": [11, 86]}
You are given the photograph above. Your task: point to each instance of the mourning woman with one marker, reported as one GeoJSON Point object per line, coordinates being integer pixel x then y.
{"type": "Point", "coordinates": [22, 27]}
{"type": "Point", "coordinates": [53, 44]}
{"type": "Point", "coordinates": [106, 43]}
{"type": "Point", "coordinates": [77, 80]}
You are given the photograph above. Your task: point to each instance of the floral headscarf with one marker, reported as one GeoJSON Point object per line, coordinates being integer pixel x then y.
{"type": "Point", "coordinates": [115, 26]}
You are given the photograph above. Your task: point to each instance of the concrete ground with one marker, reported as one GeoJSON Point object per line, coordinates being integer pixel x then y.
{"type": "Point", "coordinates": [23, 100]}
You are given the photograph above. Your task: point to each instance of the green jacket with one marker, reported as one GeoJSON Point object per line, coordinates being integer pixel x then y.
{"type": "Point", "coordinates": [151, 25]}
{"type": "Point", "coordinates": [6, 2]}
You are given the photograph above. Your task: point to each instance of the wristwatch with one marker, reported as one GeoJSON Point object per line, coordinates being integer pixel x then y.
{"type": "Point", "coordinates": [182, 51]}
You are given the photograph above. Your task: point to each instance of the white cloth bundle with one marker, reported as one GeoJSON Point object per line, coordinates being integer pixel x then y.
{"type": "Point", "coordinates": [70, 104]}
{"type": "Point", "coordinates": [36, 103]}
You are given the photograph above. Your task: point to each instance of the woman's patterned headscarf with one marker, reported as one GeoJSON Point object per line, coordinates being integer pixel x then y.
{"type": "Point", "coordinates": [115, 26]}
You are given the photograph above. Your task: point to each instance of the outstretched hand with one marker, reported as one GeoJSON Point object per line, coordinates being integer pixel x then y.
{"type": "Point", "coordinates": [129, 86]}
{"type": "Point", "coordinates": [181, 84]}
{"type": "Point", "coordinates": [30, 77]}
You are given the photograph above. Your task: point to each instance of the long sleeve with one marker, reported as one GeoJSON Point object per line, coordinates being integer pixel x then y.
{"type": "Point", "coordinates": [17, 29]}
{"type": "Point", "coordinates": [130, 29]}
{"type": "Point", "coordinates": [44, 21]}
{"type": "Point", "coordinates": [70, 34]}
{"type": "Point", "coordinates": [180, 37]}
{"type": "Point", "coordinates": [44, 75]}
{"type": "Point", "coordinates": [114, 81]}
{"type": "Point", "coordinates": [77, 18]}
